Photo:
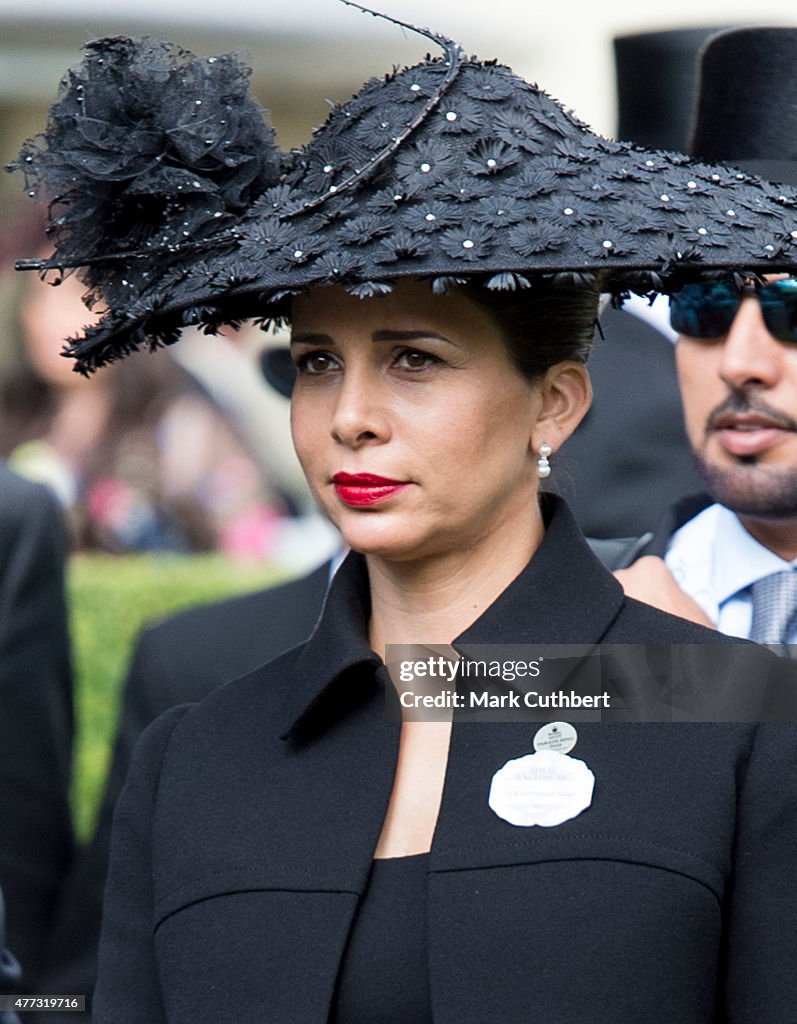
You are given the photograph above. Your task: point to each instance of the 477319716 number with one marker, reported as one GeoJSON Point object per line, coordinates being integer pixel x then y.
{"type": "Point", "coordinates": [36, 1002]}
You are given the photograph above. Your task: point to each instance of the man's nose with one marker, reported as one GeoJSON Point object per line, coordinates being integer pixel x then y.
{"type": "Point", "coordinates": [751, 356]}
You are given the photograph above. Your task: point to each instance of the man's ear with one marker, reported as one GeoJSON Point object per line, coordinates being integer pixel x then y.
{"type": "Point", "coordinates": [566, 395]}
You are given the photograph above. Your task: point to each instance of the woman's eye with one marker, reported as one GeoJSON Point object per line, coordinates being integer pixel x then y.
{"type": "Point", "coordinates": [412, 359]}
{"type": "Point", "coordinates": [316, 363]}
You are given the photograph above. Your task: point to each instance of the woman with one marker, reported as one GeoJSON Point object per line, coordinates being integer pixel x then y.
{"type": "Point", "coordinates": [283, 852]}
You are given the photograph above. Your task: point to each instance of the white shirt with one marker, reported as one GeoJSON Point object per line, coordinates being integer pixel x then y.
{"type": "Point", "coordinates": [716, 561]}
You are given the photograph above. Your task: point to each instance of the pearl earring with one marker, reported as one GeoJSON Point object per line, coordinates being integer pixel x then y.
{"type": "Point", "coordinates": [543, 465]}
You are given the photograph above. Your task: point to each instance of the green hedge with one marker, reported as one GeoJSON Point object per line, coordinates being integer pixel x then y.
{"type": "Point", "coordinates": [110, 598]}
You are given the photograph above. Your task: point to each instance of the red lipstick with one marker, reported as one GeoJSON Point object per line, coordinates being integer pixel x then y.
{"type": "Point", "coordinates": [363, 489]}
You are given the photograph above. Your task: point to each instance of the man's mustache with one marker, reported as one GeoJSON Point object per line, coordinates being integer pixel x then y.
{"type": "Point", "coordinates": [741, 403]}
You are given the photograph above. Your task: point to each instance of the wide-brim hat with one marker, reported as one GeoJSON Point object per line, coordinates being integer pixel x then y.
{"type": "Point", "coordinates": [748, 115]}
{"type": "Point", "coordinates": [168, 190]}
{"type": "Point", "coordinates": [655, 73]}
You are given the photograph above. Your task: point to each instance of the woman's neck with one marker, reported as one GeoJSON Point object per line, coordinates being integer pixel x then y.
{"type": "Point", "coordinates": [432, 601]}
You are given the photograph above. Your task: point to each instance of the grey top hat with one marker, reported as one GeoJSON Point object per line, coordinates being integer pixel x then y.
{"type": "Point", "coordinates": [748, 115]}
{"type": "Point", "coordinates": [169, 192]}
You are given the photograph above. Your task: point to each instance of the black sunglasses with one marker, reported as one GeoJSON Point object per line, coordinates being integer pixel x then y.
{"type": "Point", "coordinates": [705, 309]}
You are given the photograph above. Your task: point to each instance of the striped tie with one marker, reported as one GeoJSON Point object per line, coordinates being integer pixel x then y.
{"type": "Point", "coordinates": [774, 607]}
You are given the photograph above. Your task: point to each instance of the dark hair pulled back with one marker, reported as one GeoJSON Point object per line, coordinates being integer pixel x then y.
{"type": "Point", "coordinates": [542, 325]}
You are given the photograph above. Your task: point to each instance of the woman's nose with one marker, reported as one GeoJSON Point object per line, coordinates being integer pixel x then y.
{"type": "Point", "coordinates": [751, 356]}
{"type": "Point", "coordinates": [360, 416]}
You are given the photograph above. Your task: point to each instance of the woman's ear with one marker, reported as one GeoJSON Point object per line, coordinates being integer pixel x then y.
{"type": "Point", "coordinates": [566, 395]}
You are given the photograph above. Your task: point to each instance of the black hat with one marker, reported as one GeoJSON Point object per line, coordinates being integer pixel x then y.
{"type": "Point", "coordinates": [746, 107]}
{"type": "Point", "coordinates": [656, 74]}
{"type": "Point", "coordinates": [170, 193]}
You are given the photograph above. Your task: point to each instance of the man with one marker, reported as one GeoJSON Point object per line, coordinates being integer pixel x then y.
{"type": "Point", "coordinates": [35, 715]}
{"type": "Point", "coordinates": [10, 972]}
{"type": "Point", "coordinates": [727, 558]}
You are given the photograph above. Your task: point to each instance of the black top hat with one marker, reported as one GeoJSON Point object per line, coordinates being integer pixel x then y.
{"type": "Point", "coordinates": [746, 108]}
{"type": "Point", "coordinates": [170, 193]}
{"type": "Point", "coordinates": [656, 74]}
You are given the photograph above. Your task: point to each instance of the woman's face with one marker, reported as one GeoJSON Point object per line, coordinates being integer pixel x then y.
{"type": "Point", "coordinates": [414, 429]}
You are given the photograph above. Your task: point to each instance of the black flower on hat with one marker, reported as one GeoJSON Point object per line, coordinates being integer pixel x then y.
{"type": "Point", "coordinates": [517, 128]}
{"type": "Point", "coordinates": [462, 116]}
{"type": "Point", "coordinates": [428, 216]}
{"type": "Point", "coordinates": [558, 165]}
{"type": "Point", "coordinates": [664, 195]}
{"type": "Point", "coordinates": [578, 150]}
{"type": "Point", "coordinates": [419, 87]}
{"type": "Point", "coordinates": [698, 229]}
{"type": "Point", "coordinates": [387, 200]}
{"type": "Point", "coordinates": [362, 230]}
{"type": "Point", "coordinates": [564, 209]}
{"type": "Point", "coordinates": [381, 126]}
{"type": "Point", "coordinates": [634, 216]}
{"type": "Point", "coordinates": [298, 251]}
{"type": "Point", "coordinates": [339, 209]}
{"type": "Point", "coordinates": [276, 200]}
{"type": "Point", "coordinates": [488, 83]}
{"type": "Point", "coordinates": [467, 243]}
{"type": "Point", "coordinates": [605, 245]}
{"type": "Point", "coordinates": [262, 236]}
{"type": "Point", "coordinates": [370, 289]}
{"type": "Point", "coordinates": [499, 210]}
{"type": "Point", "coordinates": [507, 282]}
{"type": "Point", "coordinates": [490, 156]}
{"type": "Point", "coordinates": [624, 173]}
{"type": "Point", "coordinates": [596, 187]}
{"type": "Point", "coordinates": [766, 245]}
{"type": "Point", "coordinates": [327, 166]}
{"type": "Point", "coordinates": [425, 164]}
{"type": "Point", "coordinates": [338, 265]}
{"type": "Point", "coordinates": [402, 245]}
{"type": "Point", "coordinates": [463, 190]}
{"type": "Point", "coordinates": [532, 182]}
{"type": "Point", "coordinates": [532, 238]}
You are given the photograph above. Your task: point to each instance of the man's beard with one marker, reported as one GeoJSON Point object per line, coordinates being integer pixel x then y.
{"type": "Point", "coordinates": [748, 488]}
{"type": "Point", "coordinates": [760, 492]}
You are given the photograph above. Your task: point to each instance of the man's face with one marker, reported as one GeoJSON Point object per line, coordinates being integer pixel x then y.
{"type": "Point", "coordinates": [739, 395]}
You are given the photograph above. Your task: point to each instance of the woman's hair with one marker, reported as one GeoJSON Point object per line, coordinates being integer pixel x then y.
{"type": "Point", "coordinates": [544, 324]}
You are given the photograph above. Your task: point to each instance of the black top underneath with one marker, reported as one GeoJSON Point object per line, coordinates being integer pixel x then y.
{"type": "Point", "coordinates": [384, 978]}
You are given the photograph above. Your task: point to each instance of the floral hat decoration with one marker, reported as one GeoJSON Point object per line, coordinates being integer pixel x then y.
{"type": "Point", "coordinates": [169, 194]}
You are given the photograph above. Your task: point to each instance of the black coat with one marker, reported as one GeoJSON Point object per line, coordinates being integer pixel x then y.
{"type": "Point", "coordinates": [183, 658]}
{"type": "Point", "coordinates": [10, 972]}
{"type": "Point", "coordinates": [35, 715]}
{"type": "Point", "coordinates": [246, 832]}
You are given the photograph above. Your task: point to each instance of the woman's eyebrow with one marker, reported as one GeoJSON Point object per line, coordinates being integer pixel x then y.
{"type": "Point", "coordinates": [408, 336]}
{"type": "Point", "coordinates": [309, 338]}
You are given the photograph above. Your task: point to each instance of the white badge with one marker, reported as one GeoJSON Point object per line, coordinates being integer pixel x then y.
{"type": "Point", "coordinates": [558, 736]}
{"type": "Point", "coordinates": [545, 788]}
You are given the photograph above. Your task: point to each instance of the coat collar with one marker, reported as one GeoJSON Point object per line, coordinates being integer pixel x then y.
{"type": "Point", "coordinates": [563, 596]}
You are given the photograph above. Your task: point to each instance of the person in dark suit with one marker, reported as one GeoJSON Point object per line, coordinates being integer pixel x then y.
{"type": "Point", "coordinates": [182, 659]}
{"type": "Point", "coordinates": [36, 840]}
{"type": "Point", "coordinates": [284, 851]}
{"type": "Point", "coordinates": [10, 971]}
{"type": "Point", "coordinates": [630, 458]}
{"type": "Point", "coordinates": [717, 556]}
